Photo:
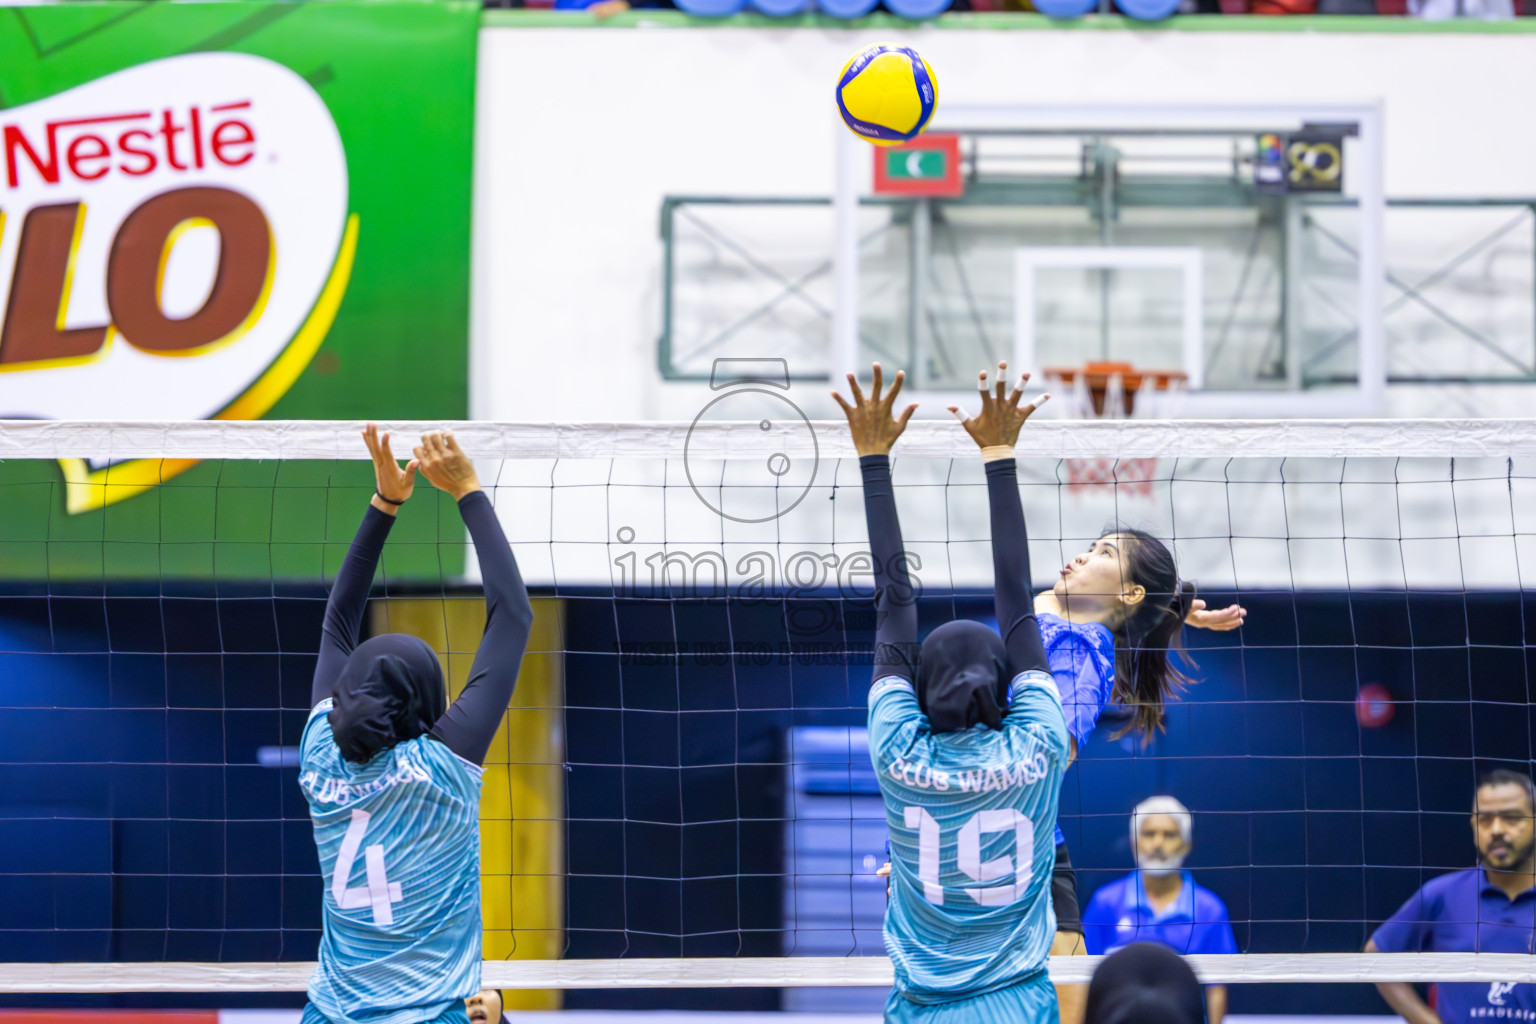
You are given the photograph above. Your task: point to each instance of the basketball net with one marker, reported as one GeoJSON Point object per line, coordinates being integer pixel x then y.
{"type": "Point", "coordinates": [1106, 390]}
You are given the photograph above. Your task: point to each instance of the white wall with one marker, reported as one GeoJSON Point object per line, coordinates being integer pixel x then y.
{"type": "Point", "coordinates": [582, 132]}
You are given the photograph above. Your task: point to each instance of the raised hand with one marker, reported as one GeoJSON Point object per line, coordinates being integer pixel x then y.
{"type": "Point", "coordinates": [870, 420]}
{"type": "Point", "coordinates": [1001, 415]}
{"type": "Point", "coordinates": [392, 483]}
{"type": "Point", "coordinates": [1219, 620]}
{"type": "Point", "coordinates": [445, 465]}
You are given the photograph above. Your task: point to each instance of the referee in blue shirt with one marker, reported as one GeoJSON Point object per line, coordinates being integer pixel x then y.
{"type": "Point", "coordinates": [1487, 909]}
{"type": "Point", "coordinates": [1159, 902]}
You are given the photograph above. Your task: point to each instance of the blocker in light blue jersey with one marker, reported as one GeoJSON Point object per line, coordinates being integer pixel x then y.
{"type": "Point", "coordinates": [399, 845]}
{"type": "Point", "coordinates": [393, 777]}
{"type": "Point", "coordinates": [969, 742]}
{"type": "Point", "coordinates": [972, 816]}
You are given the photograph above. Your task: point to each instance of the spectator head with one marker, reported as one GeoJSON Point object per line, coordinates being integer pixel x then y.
{"type": "Point", "coordinates": [1162, 833]}
{"type": "Point", "coordinates": [1503, 809]}
{"type": "Point", "coordinates": [1144, 983]}
{"type": "Point", "coordinates": [484, 1007]}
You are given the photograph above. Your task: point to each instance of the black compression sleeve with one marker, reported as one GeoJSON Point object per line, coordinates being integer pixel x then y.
{"type": "Point", "coordinates": [349, 596]}
{"type": "Point", "coordinates": [895, 599]}
{"type": "Point", "coordinates": [1010, 571]}
{"type": "Point", "coordinates": [469, 725]}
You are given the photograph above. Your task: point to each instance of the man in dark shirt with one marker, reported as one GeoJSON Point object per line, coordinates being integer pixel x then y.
{"type": "Point", "coordinates": [1487, 909]}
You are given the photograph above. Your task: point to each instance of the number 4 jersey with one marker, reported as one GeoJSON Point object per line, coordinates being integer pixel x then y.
{"type": "Point", "coordinates": [399, 845]}
{"type": "Point", "coordinates": [972, 816]}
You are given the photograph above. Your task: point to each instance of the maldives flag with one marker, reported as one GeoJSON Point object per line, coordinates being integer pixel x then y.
{"type": "Point", "coordinates": [929, 165]}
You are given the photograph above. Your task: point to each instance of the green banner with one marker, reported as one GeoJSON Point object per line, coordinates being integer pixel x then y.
{"type": "Point", "coordinates": [916, 164]}
{"type": "Point", "coordinates": [229, 211]}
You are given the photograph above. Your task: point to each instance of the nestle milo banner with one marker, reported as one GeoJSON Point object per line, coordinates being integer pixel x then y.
{"type": "Point", "coordinates": [236, 211]}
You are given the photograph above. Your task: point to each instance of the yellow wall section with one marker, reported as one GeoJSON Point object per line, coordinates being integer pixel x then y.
{"type": "Point", "coordinates": [522, 800]}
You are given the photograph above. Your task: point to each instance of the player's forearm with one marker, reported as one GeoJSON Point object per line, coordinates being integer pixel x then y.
{"type": "Point", "coordinates": [506, 597]}
{"type": "Point", "coordinates": [1010, 541]}
{"type": "Point", "coordinates": [1215, 1003]}
{"type": "Point", "coordinates": [1010, 570]}
{"type": "Point", "coordinates": [471, 723]}
{"type": "Point", "coordinates": [348, 598]}
{"type": "Point", "coordinates": [1405, 1002]}
{"type": "Point", "coordinates": [895, 598]}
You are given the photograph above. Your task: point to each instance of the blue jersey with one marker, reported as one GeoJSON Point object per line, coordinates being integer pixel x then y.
{"type": "Point", "coordinates": [1464, 913]}
{"type": "Point", "coordinates": [971, 816]}
{"type": "Point", "coordinates": [1120, 914]}
{"type": "Point", "coordinates": [399, 845]}
{"type": "Point", "coordinates": [1082, 657]}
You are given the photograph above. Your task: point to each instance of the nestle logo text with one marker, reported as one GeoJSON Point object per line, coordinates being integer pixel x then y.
{"type": "Point", "coordinates": [87, 149]}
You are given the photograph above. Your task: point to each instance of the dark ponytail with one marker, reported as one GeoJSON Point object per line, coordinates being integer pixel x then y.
{"type": "Point", "coordinates": [1145, 676]}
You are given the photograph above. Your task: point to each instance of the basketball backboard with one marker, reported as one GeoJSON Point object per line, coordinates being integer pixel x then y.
{"type": "Point", "coordinates": [1117, 232]}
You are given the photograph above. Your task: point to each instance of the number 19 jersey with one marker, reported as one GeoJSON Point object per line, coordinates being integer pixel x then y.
{"type": "Point", "coordinates": [972, 816]}
{"type": "Point", "coordinates": [399, 846]}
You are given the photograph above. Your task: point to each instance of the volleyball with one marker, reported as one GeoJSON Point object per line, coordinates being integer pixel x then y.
{"type": "Point", "coordinates": [886, 94]}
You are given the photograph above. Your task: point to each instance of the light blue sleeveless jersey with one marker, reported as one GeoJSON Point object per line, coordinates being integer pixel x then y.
{"type": "Point", "coordinates": [972, 817]}
{"type": "Point", "coordinates": [399, 845]}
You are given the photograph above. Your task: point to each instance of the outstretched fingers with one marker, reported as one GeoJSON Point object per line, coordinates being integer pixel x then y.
{"type": "Point", "coordinates": [858, 392]}
{"type": "Point", "coordinates": [879, 398]}
{"type": "Point", "coordinates": [1018, 390]}
{"type": "Point", "coordinates": [983, 392]}
{"type": "Point", "coordinates": [870, 418]}
{"type": "Point", "coordinates": [1220, 620]}
{"type": "Point", "coordinates": [429, 452]}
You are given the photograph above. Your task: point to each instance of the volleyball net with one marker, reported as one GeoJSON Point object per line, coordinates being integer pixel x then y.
{"type": "Point", "coordinates": [681, 793]}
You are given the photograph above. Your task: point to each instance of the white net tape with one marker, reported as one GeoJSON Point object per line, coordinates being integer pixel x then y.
{"type": "Point", "coordinates": [762, 972]}
{"type": "Point", "coordinates": [1048, 439]}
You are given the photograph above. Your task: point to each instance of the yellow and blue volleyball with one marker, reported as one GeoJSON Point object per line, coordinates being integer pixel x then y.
{"type": "Point", "coordinates": [887, 94]}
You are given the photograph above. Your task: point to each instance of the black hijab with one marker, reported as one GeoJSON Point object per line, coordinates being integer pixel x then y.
{"type": "Point", "coordinates": [390, 690]}
{"type": "Point", "coordinates": [1144, 984]}
{"type": "Point", "coordinates": [962, 677]}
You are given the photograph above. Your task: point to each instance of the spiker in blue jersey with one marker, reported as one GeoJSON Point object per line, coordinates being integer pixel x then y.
{"type": "Point", "coordinates": [886, 94]}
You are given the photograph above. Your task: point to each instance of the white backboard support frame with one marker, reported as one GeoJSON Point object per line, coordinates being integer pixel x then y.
{"type": "Point", "coordinates": [1189, 261]}
{"type": "Point", "coordinates": [1365, 182]}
